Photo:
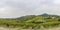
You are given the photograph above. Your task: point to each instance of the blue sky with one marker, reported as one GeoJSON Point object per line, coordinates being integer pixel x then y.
{"type": "Point", "coordinates": [16, 8]}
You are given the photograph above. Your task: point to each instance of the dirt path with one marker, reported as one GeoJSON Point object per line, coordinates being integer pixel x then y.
{"type": "Point", "coordinates": [3, 28]}
{"type": "Point", "coordinates": [57, 28]}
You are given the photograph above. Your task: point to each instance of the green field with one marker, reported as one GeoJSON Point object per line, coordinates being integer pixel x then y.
{"type": "Point", "coordinates": [32, 22]}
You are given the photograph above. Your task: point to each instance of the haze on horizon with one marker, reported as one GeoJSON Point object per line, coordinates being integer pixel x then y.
{"type": "Point", "coordinates": [16, 8]}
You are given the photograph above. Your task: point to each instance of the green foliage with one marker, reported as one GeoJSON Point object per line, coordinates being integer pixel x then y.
{"type": "Point", "coordinates": [32, 21]}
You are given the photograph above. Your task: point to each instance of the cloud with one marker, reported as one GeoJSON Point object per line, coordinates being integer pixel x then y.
{"type": "Point", "coordinates": [56, 1]}
{"type": "Point", "coordinates": [17, 8]}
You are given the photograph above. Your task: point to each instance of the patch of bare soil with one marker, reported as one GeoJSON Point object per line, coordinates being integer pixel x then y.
{"type": "Point", "coordinates": [4, 28]}
{"type": "Point", "coordinates": [57, 28]}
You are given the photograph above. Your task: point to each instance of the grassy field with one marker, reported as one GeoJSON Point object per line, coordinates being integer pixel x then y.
{"type": "Point", "coordinates": [49, 22]}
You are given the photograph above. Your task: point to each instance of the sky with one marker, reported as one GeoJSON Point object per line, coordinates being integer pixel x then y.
{"type": "Point", "coordinates": [18, 8]}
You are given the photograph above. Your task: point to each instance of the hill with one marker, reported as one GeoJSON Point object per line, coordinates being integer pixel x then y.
{"type": "Point", "coordinates": [34, 21]}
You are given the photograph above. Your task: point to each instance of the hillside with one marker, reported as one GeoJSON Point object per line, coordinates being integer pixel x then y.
{"type": "Point", "coordinates": [32, 21]}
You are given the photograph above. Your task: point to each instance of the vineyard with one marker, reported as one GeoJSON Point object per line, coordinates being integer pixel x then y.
{"type": "Point", "coordinates": [32, 22]}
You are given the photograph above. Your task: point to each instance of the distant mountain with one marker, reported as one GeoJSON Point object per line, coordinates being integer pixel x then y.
{"type": "Point", "coordinates": [27, 17]}
{"type": "Point", "coordinates": [45, 14]}
{"type": "Point", "coordinates": [30, 17]}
